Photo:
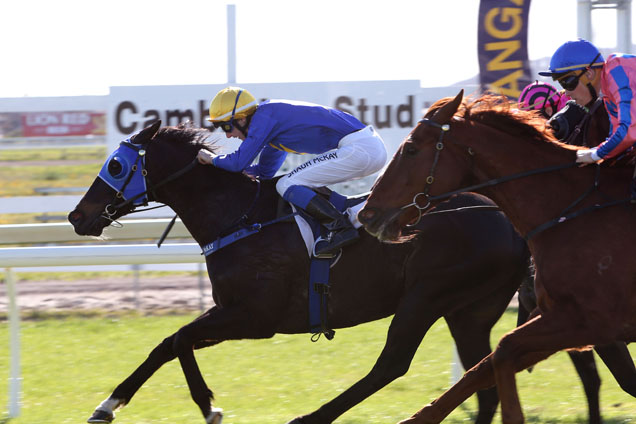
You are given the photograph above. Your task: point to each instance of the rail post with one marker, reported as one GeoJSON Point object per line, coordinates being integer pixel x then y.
{"type": "Point", "coordinates": [15, 381]}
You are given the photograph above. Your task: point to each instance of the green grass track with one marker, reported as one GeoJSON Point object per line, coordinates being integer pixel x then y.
{"type": "Point", "coordinates": [71, 364]}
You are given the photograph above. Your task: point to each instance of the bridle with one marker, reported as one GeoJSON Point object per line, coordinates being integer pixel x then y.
{"type": "Point", "coordinates": [126, 186]}
{"type": "Point", "coordinates": [439, 146]}
{"type": "Point", "coordinates": [565, 215]}
{"type": "Point", "coordinates": [144, 190]}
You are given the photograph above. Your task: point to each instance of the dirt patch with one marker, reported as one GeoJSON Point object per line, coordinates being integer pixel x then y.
{"type": "Point", "coordinates": [182, 293]}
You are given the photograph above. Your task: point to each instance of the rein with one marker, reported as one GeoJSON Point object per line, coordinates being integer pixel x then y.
{"type": "Point", "coordinates": [582, 125]}
{"type": "Point", "coordinates": [563, 216]}
{"type": "Point", "coordinates": [152, 189]}
{"type": "Point", "coordinates": [138, 170]}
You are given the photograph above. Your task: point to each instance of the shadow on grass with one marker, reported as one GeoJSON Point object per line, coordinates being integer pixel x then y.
{"type": "Point", "coordinates": [579, 419]}
{"type": "Point", "coordinates": [541, 419]}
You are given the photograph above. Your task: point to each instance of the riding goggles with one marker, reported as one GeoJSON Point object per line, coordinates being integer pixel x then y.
{"type": "Point", "coordinates": [570, 81]}
{"type": "Point", "coordinates": [226, 126]}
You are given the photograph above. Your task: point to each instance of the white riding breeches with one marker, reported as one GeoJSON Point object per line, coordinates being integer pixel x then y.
{"type": "Point", "coordinates": [358, 154]}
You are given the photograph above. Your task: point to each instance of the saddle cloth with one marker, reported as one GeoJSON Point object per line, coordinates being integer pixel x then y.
{"type": "Point", "coordinates": [310, 229]}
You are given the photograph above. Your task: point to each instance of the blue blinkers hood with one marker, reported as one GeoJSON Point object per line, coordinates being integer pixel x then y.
{"type": "Point", "coordinates": [125, 172]}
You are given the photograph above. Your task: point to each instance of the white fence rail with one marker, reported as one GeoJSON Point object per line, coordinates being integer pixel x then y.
{"type": "Point", "coordinates": [120, 254]}
{"type": "Point", "coordinates": [62, 204]}
{"type": "Point", "coordinates": [63, 232]}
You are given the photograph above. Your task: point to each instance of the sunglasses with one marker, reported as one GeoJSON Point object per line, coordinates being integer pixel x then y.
{"type": "Point", "coordinates": [570, 81]}
{"type": "Point", "coordinates": [226, 126]}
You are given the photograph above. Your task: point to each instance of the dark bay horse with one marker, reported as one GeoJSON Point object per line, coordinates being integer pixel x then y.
{"type": "Point", "coordinates": [464, 267]}
{"type": "Point", "coordinates": [578, 220]}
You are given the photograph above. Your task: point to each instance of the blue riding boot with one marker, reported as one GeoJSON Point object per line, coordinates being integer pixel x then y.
{"type": "Point", "coordinates": [341, 231]}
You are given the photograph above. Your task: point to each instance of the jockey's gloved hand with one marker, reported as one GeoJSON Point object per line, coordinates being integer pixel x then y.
{"type": "Point", "coordinates": [205, 157]}
{"type": "Point", "coordinates": [586, 156]}
{"type": "Point", "coordinates": [251, 171]}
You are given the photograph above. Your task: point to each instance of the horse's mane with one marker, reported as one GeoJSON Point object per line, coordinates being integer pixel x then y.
{"type": "Point", "coordinates": [499, 112]}
{"type": "Point", "coordinates": [187, 133]}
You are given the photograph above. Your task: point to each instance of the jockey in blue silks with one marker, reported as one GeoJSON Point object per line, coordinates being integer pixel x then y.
{"type": "Point", "coordinates": [585, 75]}
{"type": "Point", "coordinates": [346, 149]}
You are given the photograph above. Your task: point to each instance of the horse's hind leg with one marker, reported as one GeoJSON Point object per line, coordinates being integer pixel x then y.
{"type": "Point", "coordinates": [518, 349]}
{"type": "Point", "coordinates": [415, 314]}
{"type": "Point", "coordinates": [479, 377]}
{"type": "Point", "coordinates": [617, 358]}
{"type": "Point", "coordinates": [586, 369]}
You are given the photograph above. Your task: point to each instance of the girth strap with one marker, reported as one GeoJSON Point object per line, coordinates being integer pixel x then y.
{"type": "Point", "coordinates": [318, 299]}
{"type": "Point", "coordinates": [221, 242]}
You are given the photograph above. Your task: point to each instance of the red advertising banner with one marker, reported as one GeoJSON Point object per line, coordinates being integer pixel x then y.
{"type": "Point", "coordinates": [61, 124]}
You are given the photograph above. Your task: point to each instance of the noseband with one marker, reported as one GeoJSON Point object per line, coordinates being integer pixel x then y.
{"type": "Point", "coordinates": [439, 146]}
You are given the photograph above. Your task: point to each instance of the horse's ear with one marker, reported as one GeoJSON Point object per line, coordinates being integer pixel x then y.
{"type": "Point", "coordinates": [446, 112]}
{"type": "Point", "coordinates": [147, 133]}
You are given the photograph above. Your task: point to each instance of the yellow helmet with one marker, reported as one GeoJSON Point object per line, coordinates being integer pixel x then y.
{"type": "Point", "coordinates": [231, 103]}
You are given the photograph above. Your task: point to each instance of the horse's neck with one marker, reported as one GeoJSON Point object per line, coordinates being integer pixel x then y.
{"type": "Point", "coordinates": [529, 201]}
{"type": "Point", "coordinates": [593, 128]}
{"type": "Point", "coordinates": [209, 208]}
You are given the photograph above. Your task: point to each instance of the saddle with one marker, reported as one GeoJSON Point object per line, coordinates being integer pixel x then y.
{"type": "Point", "coordinates": [310, 229]}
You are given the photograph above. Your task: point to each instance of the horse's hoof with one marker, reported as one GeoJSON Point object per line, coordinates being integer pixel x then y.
{"type": "Point", "coordinates": [100, 416]}
{"type": "Point", "coordinates": [423, 416]}
{"type": "Point", "coordinates": [215, 416]}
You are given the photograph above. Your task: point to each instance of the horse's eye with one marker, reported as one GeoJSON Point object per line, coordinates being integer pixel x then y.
{"type": "Point", "coordinates": [115, 168]}
{"type": "Point", "coordinates": [410, 149]}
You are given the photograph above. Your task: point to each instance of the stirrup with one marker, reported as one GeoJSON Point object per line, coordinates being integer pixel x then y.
{"type": "Point", "coordinates": [323, 255]}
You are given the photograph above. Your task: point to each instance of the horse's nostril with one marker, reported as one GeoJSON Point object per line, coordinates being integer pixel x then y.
{"type": "Point", "coordinates": [75, 216]}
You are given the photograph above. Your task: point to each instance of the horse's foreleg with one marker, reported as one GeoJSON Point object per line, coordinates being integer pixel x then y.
{"type": "Point", "coordinates": [219, 324]}
{"type": "Point", "coordinates": [124, 392]}
{"type": "Point", "coordinates": [619, 361]}
{"type": "Point", "coordinates": [199, 391]}
{"type": "Point", "coordinates": [586, 369]}
{"type": "Point", "coordinates": [161, 354]}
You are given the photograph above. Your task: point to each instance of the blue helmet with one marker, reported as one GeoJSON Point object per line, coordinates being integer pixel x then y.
{"type": "Point", "coordinates": [573, 55]}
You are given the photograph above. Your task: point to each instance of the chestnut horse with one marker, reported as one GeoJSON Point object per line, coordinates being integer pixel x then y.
{"type": "Point", "coordinates": [578, 221]}
{"type": "Point", "coordinates": [464, 267]}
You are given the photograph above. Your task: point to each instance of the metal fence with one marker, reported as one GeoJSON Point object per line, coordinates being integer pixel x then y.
{"type": "Point", "coordinates": [20, 255]}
